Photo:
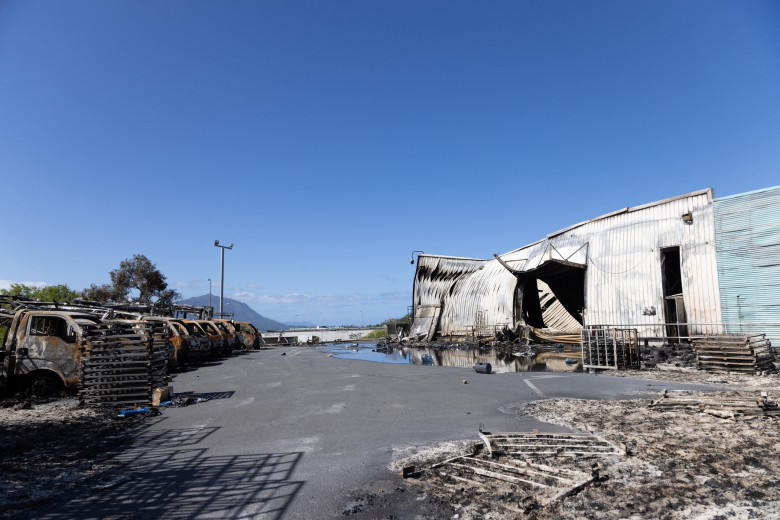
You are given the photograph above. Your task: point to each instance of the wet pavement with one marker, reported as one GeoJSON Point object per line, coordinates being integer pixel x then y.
{"type": "Point", "coordinates": [544, 358]}
{"type": "Point", "coordinates": [297, 436]}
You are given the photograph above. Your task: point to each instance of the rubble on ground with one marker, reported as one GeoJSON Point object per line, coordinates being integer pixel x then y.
{"type": "Point", "coordinates": [52, 447]}
{"type": "Point", "coordinates": [680, 462]}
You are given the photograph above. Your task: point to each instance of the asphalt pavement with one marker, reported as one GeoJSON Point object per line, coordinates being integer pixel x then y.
{"type": "Point", "coordinates": [292, 436]}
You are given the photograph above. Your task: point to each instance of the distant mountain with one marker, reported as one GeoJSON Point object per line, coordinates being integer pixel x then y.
{"type": "Point", "coordinates": [241, 311]}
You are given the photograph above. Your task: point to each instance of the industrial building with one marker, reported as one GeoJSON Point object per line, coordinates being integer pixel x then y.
{"type": "Point", "coordinates": [685, 266]}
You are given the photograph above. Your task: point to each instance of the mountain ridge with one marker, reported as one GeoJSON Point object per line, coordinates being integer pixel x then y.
{"type": "Point", "coordinates": [241, 311]}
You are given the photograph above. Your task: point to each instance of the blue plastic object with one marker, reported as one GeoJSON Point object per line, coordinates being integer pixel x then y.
{"type": "Point", "coordinates": [135, 411]}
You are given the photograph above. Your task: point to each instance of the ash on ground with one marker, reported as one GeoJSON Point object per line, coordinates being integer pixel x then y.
{"type": "Point", "coordinates": [679, 464]}
{"type": "Point", "coordinates": [50, 447]}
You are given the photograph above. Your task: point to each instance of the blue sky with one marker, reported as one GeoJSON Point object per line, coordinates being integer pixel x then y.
{"type": "Point", "coordinates": [328, 140]}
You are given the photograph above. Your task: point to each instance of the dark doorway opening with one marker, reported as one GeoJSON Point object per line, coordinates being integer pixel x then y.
{"type": "Point", "coordinates": [674, 304]}
{"type": "Point", "coordinates": [565, 282]}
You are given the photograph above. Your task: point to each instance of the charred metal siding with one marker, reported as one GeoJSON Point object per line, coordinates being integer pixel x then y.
{"type": "Point", "coordinates": [489, 290]}
{"type": "Point", "coordinates": [462, 287]}
{"type": "Point", "coordinates": [747, 228]}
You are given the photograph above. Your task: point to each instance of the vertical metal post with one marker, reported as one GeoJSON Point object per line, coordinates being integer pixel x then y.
{"type": "Point", "coordinates": [221, 280]}
{"type": "Point", "coordinates": [222, 274]}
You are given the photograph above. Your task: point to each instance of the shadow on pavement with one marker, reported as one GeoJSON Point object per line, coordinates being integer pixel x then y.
{"type": "Point", "coordinates": [165, 476]}
{"type": "Point", "coordinates": [208, 396]}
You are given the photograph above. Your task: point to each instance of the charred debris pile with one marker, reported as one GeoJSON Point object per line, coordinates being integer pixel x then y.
{"type": "Point", "coordinates": [601, 348]}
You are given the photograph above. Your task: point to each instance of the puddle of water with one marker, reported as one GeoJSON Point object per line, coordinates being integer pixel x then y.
{"type": "Point", "coordinates": [537, 359]}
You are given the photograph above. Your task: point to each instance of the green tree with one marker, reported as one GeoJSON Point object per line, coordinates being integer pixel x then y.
{"type": "Point", "coordinates": [49, 293]}
{"type": "Point", "coordinates": [134, 274]}
{"type": "Point", "coordinates": [100, 293]}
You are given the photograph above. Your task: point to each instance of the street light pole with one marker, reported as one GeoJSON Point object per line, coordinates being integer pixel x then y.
{"type": "Point", "coordinates": [294, 318]}
{"type": "Point", "coordinates": [210, 294]}
{"type": "Point", "coordinates": [222, 274]}
{"type": "Point", "coordinates": [361, 319]}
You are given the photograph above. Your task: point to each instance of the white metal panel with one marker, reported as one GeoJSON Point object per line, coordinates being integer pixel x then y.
{"type": "Point", "coordinates": [624, 262]}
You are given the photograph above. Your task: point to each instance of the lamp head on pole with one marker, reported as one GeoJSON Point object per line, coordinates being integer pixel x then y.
{"type": "Point", "coordinates": [216, 243]}
{"type": "Point", "coordinates": [418, 255]}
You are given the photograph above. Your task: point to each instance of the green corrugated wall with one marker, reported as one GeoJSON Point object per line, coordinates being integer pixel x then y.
{"type": "Point", "coordinates": [747, 240]}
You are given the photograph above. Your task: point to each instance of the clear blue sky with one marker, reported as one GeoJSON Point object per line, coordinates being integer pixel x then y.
{"type": "Point", "coordinates": [328, 140]}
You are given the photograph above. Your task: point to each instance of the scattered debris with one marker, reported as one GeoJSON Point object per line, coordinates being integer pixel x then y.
{"type": "Point", "coordinates": [678, 465]}
{"type": "Point", "coordinates": [54, 448]}
{"type": "Point", "coordinates": [735, 353]}
{"type": "Point", "coordinates": [482, 368]}
{"type": "Point", "coordinates": [725, 406]}
{"type": "Point", "coordinates": [646, 464]}
{"type": "Point", "coordinates": [513, 472]}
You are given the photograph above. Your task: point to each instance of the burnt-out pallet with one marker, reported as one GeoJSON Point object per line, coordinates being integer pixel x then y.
{"type": "Point", "coordinates": [122, 364]}
{"type": "Point", "coordinates": [536, 444]}
{"type": "Point", "coordinates": [738, 404]}
{"type": "Point", "coordinates": [518, 472]}
{"type": "Point", "coordinates": [734, 353]}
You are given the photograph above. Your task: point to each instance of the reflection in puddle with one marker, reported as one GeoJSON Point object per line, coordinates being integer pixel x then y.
{"type": "Point", "coordinates": [520, 359]}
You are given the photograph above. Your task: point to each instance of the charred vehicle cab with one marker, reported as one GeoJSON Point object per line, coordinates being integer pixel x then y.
{"type": "Point", "coordinates": [42, 349]}
{"type": "Point", "coordinates": [227, 328]}
{"type": "Point", "coordinates": [200, 343]}
{"type": "Point", "coordinates": [218, 338]}
{"type": "Point", "coordinates": [248, 335]}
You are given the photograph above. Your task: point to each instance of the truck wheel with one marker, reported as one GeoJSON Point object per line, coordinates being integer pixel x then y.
{"type": "Point", "coordinates": [45, 385]}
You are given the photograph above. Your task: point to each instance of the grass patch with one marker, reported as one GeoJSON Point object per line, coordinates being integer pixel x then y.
{"type": "Point", "coordinates": [376, 334]}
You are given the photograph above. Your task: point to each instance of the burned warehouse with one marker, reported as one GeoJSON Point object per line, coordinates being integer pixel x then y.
{"type": "Point", "coordinates": [681, 267]}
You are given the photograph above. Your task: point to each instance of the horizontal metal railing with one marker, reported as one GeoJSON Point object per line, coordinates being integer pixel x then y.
{"type": "Point", "coordinates": [695, 329]}
{"type": "Point", "coordinates": [654, 332]}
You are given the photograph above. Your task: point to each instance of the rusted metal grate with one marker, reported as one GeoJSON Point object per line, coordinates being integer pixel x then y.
{"type": "Point", "coordinates": [528, 482]}
{"type": "Point", "coordinates": [122, 363]}
{"type": "Point", "coordinates": [605, 348]}
{"type": "Point", "coordinates": [551, 444]}
{"type": "Point", "coordinates": [734, 353]}
{"type": "Point", "coordinates": [521, 471]}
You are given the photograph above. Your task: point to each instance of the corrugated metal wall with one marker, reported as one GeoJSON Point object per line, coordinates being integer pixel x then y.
{"type": "Point", "coordinates": [622, 254]}
{"type": "Point", "coordinates": [464, 287]}
{"type": "Point", "coordinates": [747, 232]}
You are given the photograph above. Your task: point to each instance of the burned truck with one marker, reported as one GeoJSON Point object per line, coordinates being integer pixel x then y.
{"type": "Point", "coordinates": [248, 335]}
{"type": "Point", "coordinates": [42, 350]}
{"type": "Point", "coordinates": [53, 350]}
